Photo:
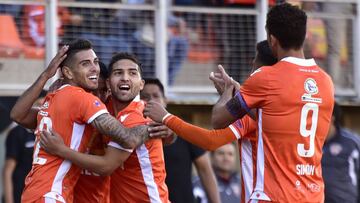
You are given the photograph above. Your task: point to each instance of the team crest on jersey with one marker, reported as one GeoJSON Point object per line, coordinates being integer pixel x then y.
{"type": "Point", "coordinates": [335, 149]}
{"type": "Point", "coordinates": [310, 86]}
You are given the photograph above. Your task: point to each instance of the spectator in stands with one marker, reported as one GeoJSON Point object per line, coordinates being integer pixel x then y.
{"type": "Point", "coordinates": [235, 37]}
{"type": "Point", "coordinates": [19, 146]}
{"type": "Point", "coordinates": [179, 157]}
{"type": "Point", "coordinates": [33, 30]}
{"type": "Point", "coordinates": [177, 46]}
{"type": "Point", "coordinates": [341, 162]}
{"type": "Point", "coordinates": [224, 163]}
{"type": "Point", "coordinates": [101, 27]}
{"type": "Point", "coordinates": [13, 10]}
{"type": "Point", "coordinates": [336, 34]}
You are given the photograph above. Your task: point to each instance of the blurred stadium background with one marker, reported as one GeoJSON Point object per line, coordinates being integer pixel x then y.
{"type": "Point", "coordinates": [180, 42]}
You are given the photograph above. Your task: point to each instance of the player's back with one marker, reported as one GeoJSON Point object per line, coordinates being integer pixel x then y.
{"type": "Point", "coordinates": [294, 104]}
{"type": "Point", "coordinates": [68, 112]}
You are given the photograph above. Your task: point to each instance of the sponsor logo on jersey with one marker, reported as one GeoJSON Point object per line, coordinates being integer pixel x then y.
{"type": "Point", "coordinates": [310, 86]}
{"type": "Point", "coordinates": [313, 187]}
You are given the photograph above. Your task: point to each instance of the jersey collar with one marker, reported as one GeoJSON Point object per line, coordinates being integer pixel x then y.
{"type": "Point", "coordinates": [300, 61]}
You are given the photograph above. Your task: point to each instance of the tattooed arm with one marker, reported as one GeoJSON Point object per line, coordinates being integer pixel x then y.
{"type": "Point", "coordinates": [128, 138]}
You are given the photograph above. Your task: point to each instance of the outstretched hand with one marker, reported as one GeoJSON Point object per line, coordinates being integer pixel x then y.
{"type": "Point", "coordinates": [155, 111]}
{"type": "Point", "coordinates": [54, 64]}
{"type": "Point", "coordinates": [51, 142]}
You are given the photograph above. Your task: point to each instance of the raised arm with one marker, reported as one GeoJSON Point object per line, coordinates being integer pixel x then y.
{"type": "Point", "coordinates": [22, 112]}
{"type": "Point", "coordinates": [224, 112]}
{"type": "Point", "coordinates": [129, 138]}
{"type": "Point", "coordinates": [206, 139]}
{"type": "Point", "coordinates": [102, 165]}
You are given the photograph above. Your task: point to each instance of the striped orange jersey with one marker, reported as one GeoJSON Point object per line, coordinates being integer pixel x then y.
{"type": "Point", "coordinates": [69, 111]}
{"type": "Point", "coordinates": [91, 187]}
{"type": "Point", "coordinates": [294, 100]}
{"type": "Point", "coordinates": [142, 177]}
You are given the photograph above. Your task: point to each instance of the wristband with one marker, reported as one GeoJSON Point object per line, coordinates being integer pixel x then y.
{"type": "Point", "coordinates": [165, 117]}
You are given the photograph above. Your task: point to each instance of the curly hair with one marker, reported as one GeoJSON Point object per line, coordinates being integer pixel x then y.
{"type": "Point", "coordinates": [287, 23]}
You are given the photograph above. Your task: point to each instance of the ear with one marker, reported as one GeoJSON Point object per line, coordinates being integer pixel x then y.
{"type": "Point", "coordinates": [273, 41]}
{"type": "Point", "coordinates": [67, 72]}
{"type": "Point", "coordinates": [142, 84]}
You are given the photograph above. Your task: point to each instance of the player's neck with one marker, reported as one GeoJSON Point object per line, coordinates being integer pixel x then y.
{"type": "Point", "coordinates": [119, 105]}
{"type": "Point", "coordinates": [290, 53]}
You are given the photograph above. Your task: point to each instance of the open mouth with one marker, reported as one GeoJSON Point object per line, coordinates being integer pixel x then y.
{"type": "Point", "coordinates": [124, 87]}
{"type": "Point", "coordinates": [93, 78]}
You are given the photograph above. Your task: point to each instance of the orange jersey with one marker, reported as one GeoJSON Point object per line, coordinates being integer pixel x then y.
{"type": "Point", "coordinates": [294, 100]}
{"type": "Point", "coordinates": [142, 178]}
{"type": "Point", "coordinates": [92, 187]}
{"type": "Point", "coordinates": [246, 128]}
{"type": "Point", "coordinates": [69, 111]}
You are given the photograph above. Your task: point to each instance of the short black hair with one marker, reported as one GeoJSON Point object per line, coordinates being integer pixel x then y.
{"type": "Point", "coordinates": [75, 46]}
{"type": "Point", "coordinates": [104, 72]}
{"type": "Point", "coordinates": [155, 81]}
{"type": "Point", "coordinates": [287, 23]}
{"type": "Point", "coordinates": [338, 116]}
{"type": "Point", "coordinates": [264, 53]}
{"type": "Point", "coordinates": [123, 55]}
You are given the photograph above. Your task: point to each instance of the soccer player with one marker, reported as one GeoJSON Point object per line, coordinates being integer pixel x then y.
{"type": "Point", "coordinates": [142, 176]}
{"type": "Point", "coordinates": [91, 187]}
{"type": "Point", "coordinates": [246, 127]}
{"type": "Point", "coordinates": [293, 101]}
{"type": "Point", "coordinates": [73, 112]}
{"type": "Point", "coordinates": [179, 157]}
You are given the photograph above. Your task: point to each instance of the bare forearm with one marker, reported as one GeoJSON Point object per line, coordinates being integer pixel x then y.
{"type": "Point", "coordinates": [8, 184]}
{"type": "Point", "coordinates": [128, 138]}
{"type": "Point", "coordinates": [207, 178]}
{"type": "Point", "coordinates": [22, 111]}
{"type": "Point", "coordinates": [89, 162]}
{"type": "Point", "coordinates": [220, 117]}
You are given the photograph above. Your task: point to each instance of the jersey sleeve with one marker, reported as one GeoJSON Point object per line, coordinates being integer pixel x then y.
{"type": "Point", "coordinates": [91, 107]}
{"type": "Point", "coordinates": [255, 89]}
{"type": "Point", "coordinates": [244, 128]}
{"type": "Point", "coordinates": [195, 151]}
{"type": "Point", "coordinates": [129, 120]}
{"type": "Point", "coordinates": [206, 139]}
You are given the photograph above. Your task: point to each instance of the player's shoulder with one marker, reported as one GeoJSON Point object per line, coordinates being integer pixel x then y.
{"type": "Point", "coordinates": [350, 136]}
{"type": "Point", "coordinates": [260, 71]}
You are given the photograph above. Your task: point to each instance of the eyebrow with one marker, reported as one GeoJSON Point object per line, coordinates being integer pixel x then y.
{"type": "Point", "coordinates": [88, 60]}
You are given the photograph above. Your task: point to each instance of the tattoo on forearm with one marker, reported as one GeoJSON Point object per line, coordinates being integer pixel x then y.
{"type": "Point", "coordinates": [128, 138]}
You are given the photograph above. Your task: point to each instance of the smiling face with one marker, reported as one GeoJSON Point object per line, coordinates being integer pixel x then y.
{"type": "Point", "coordinates": [125, 80]}
{"type": "Point", "coordinates": [84, 71]}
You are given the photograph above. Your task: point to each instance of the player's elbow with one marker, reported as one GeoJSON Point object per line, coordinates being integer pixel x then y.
{"type": "Point", "coordinates": [15, 116]}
